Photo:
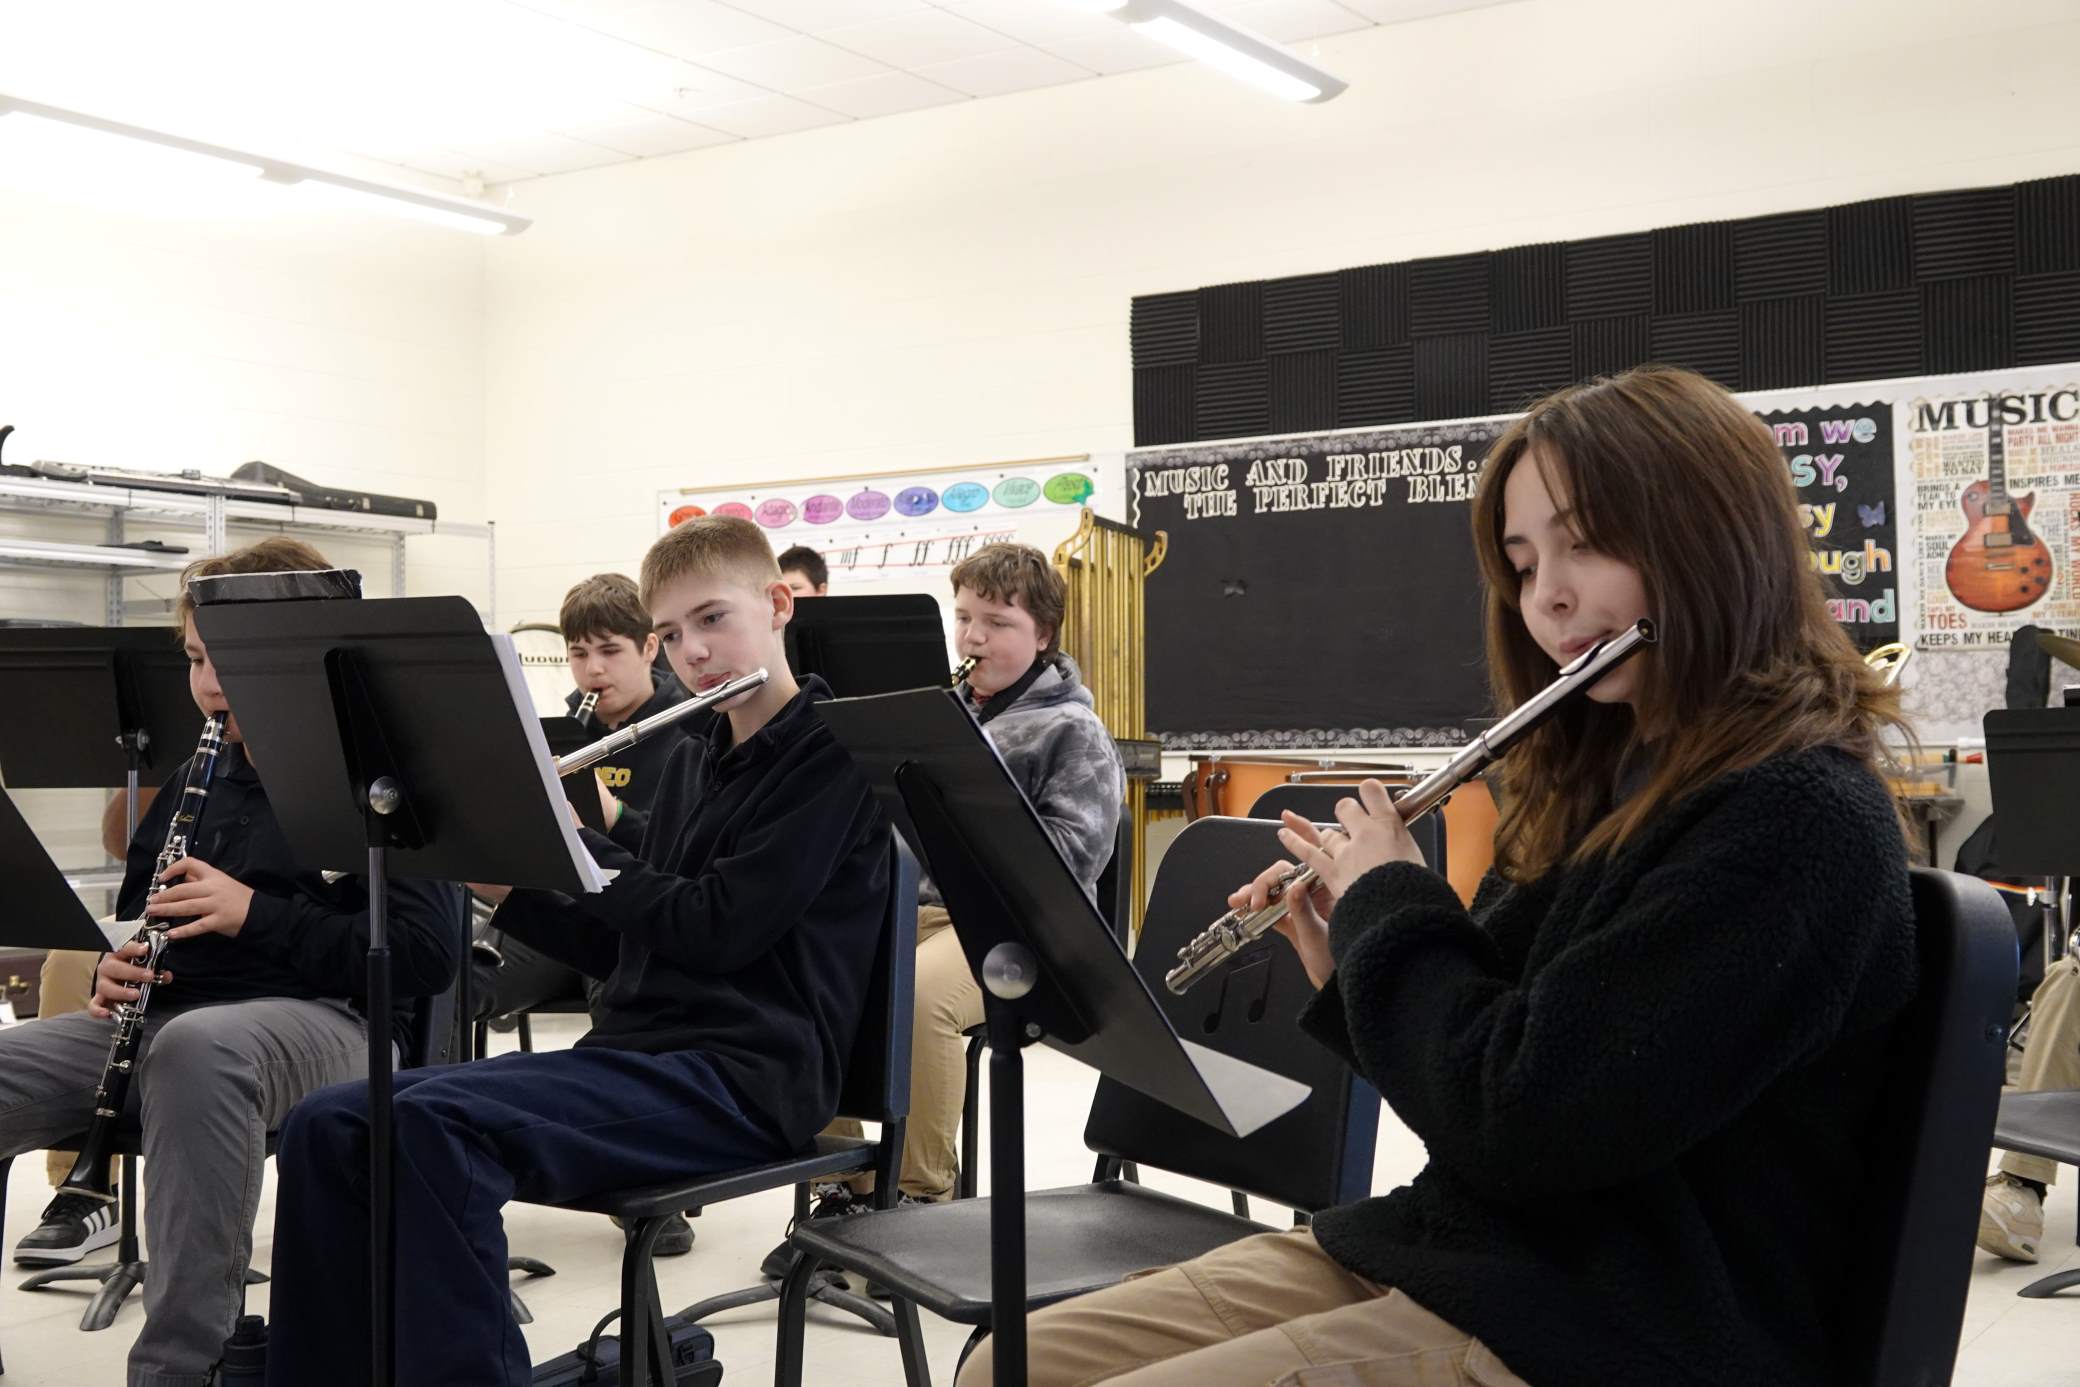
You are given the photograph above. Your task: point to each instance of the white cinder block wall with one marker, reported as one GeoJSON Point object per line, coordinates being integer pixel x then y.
{"type": "Point", "coordinates": [952, 285]}
{"type": "Point", "coordinates": [345, 350]}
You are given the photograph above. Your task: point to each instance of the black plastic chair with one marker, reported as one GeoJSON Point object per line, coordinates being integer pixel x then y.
{"type": "Point", "coordinates": [430, 1035]}
{"type": "Point", "coordinates": [1082, 1238]}
{"type": "Point", "coordinates": [1114, 893]}
{"type": "Point", "coordinates": [2045, 1124]}
{"type": "Point", "coordinates": [876, 1089]}
{"type": "Point", "coordinates": [1921, 1210]}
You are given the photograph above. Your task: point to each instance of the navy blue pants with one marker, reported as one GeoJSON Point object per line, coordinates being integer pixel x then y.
{"type": "Point", "coordinates": [469, 1137]}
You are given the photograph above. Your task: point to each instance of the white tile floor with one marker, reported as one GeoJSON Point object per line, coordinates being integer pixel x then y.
{"type": "Point", "coordinates": [2008, 1342]}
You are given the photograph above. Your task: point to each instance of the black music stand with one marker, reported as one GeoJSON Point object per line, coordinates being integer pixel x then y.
{"type": "Point", "coordinates": [93, 706]}
{"type": "Point", "coordinates": [43, 912]}
{"type": "Point", "coordinates": [399, 734]}
{"type": "Point", "coordinates": [1049, 965]}
{"type": "Point", "coordinates": [869, 645]}
{"type": "Point", "coordinates": [2033, 770]}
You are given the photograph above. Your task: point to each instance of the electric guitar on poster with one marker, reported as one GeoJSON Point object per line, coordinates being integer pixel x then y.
{"type": "Point", "coordinates": [1999, 565]}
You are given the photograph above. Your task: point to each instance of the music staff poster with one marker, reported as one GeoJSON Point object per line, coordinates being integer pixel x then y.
{"type": "Point", "coordinates": [1996, 495]}
{"type": "Point", "coordinates": [904, 531]}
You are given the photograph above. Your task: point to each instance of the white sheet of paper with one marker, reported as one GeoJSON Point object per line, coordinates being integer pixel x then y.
{"type": "Point", "coordinates": [589, 872]}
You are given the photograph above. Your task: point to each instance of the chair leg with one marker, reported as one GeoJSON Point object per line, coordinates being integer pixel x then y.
{"type": "Point", "coordinates": [1241, 1202]}
{"type": "Point", "coordinates": [794, 1318]}
{"type": "Point", "coordinates": [526, 1035]}
{"type": "Point", "coordinates": [2050, 1285]}
{"type": "Point", "coordinates": [101, 1310]}
{"type": "Point", "coordinates": [641, 1363]}
{"type": "Point", "coordinates": [730, 1300]}
{"type": "Point", "coordinates": [917, 1372]}
{"type": "Point", "coordinates": [828, 1293]}
{"type": "Point", "coordinates": [975, 1338]}
{"type": "Point", "coordinates": [6, 1166]}
{"type": "Point", "coordinates": [971, 1124]}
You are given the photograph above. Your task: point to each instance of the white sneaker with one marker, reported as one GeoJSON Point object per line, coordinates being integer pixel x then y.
{"type": "Point", "coordinates": [73, 1226]}
{"type": "Point", "coordinates": [2011, 1218]}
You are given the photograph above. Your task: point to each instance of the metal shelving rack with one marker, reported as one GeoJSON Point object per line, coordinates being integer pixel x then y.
{"type": "Point", "coordinates": [213, 513]}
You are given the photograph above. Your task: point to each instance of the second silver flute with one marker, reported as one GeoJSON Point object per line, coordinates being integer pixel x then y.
{"type": "Point", "coordinates": [593, 753]}
{"type": "Point", "coordinates": [1237, 929]}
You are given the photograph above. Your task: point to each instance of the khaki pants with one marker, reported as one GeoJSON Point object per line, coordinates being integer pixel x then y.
{"type": "Point", "coordinates": [948, 1001]}
{"type": "Point", "coordinates": [1270, 1311]}
{"type": "Point", "coordinates": [65, 984]}
{"type": "Point", "coordinates": [2051, 1056]}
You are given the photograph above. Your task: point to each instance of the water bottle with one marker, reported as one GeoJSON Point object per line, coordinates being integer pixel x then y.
{"type": "Point", "coordinates": [245, 1354]}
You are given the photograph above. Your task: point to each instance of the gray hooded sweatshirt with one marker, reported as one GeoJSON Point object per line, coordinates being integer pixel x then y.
{"type": "Point", "coordinates": [1064, 760]}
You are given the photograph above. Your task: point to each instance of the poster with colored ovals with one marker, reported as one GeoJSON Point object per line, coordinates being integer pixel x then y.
{"type": "Point", "coordinates": [905, 531]}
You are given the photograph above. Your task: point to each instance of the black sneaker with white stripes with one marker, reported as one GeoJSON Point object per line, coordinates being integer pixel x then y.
{"type": "Point", "coordinates": [73, 1226]}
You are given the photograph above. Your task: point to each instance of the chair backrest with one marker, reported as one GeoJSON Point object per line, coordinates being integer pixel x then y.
{"type": "Point", "coordinates": [1317, 804]}
{"type": "Point", "coordinates": [1316, 1156]}
{"type": "Point", "coordinates": [1116, 883]}
{"type": "Point", "coordinates": [1935, 1124]}
{"type": "Point", "coordinates": [431, 1036]}
{"type": "Point", "coordinates": [877, 1075]}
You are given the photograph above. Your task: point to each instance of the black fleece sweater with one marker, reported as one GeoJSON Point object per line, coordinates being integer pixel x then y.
{"type": "Point", "coordinates": [304, 936]}
{"type": "Point", "coordinates": [1646, 1084]}
{"type": "Point", "coordinates": [745, 927]}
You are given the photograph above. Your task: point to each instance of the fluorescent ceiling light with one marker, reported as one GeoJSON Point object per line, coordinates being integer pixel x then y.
{"type": "Point", "coordinates": [92, 143]}
{"type": "Point", "coordinates": [94, 154]}
{"type": "Point", "coordinates": [440, 212]}
{"type": "Point", "coordinates": [1219, 44]}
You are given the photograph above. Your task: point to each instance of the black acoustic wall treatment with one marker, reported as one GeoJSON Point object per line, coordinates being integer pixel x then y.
{"type": "Point", "coordinates": [1934, 283]}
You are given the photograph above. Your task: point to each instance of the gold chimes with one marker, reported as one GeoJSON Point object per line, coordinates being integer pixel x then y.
{"type": "Point", "coordinates": [1106, 565]}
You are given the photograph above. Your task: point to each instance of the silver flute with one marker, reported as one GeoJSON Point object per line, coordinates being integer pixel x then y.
{"type": "Point", "coordinates": [591, 754]}
{"type": "Point", "coordinates": [1238, 929]}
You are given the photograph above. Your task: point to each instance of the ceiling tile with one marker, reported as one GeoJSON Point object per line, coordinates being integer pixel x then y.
{"type": "Point", "coordinates": [886, 95]}
{"type": "Point", "coordinates": [792, 64]}
{"type": "Point", "coordinates": [772, 115]}
{"type": "Point", "coordinates": [1041, 22]}
{"type": "Point", "coordinates": [441, 163]}
{"type": "Point", "coordinates": [653, 136]}
{"type": "Point", "coordinates": [815, 16]}
{"type": "Point", "coordinates": [1292, 21]}
{"type": "Point", "coordinates": [542, 152]}
{"type": "Point", "coordinates": [912, 41]}
{"type": "Point", "coordinates": [1401, 11]}
{"type": "Point", "coordinates": [993, 74]}
{"type": "Point", "coordinates": [1120, 51]}
{"type": "Point", "coordinates": [690, 28]}
{"type": "Point", "coordinates": [695, 89]}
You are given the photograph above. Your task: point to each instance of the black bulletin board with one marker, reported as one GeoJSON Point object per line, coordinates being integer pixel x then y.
{"type": "Point", "coordinates": [1262, 623]}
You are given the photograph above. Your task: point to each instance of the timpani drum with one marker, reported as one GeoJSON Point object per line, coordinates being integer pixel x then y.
{"type": "Point", "coordinates": [1231, 786]}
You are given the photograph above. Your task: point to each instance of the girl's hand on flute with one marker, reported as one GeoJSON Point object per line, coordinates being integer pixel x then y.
{"type": "Point", "coordinates": [1372, 836]}
{"type": "Point", "coordinates": [1305, 924]}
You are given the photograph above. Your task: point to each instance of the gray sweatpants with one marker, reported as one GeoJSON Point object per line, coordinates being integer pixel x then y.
{"type": "Point", "coordinates": [211, 1082]}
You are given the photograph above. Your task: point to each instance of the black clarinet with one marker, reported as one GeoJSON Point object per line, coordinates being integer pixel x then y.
{"type": "Point", "coordinates": [90, 1172]}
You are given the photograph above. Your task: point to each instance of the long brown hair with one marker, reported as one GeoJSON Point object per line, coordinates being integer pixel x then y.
{"type": "Point", "coordinates": [1670, 474]}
